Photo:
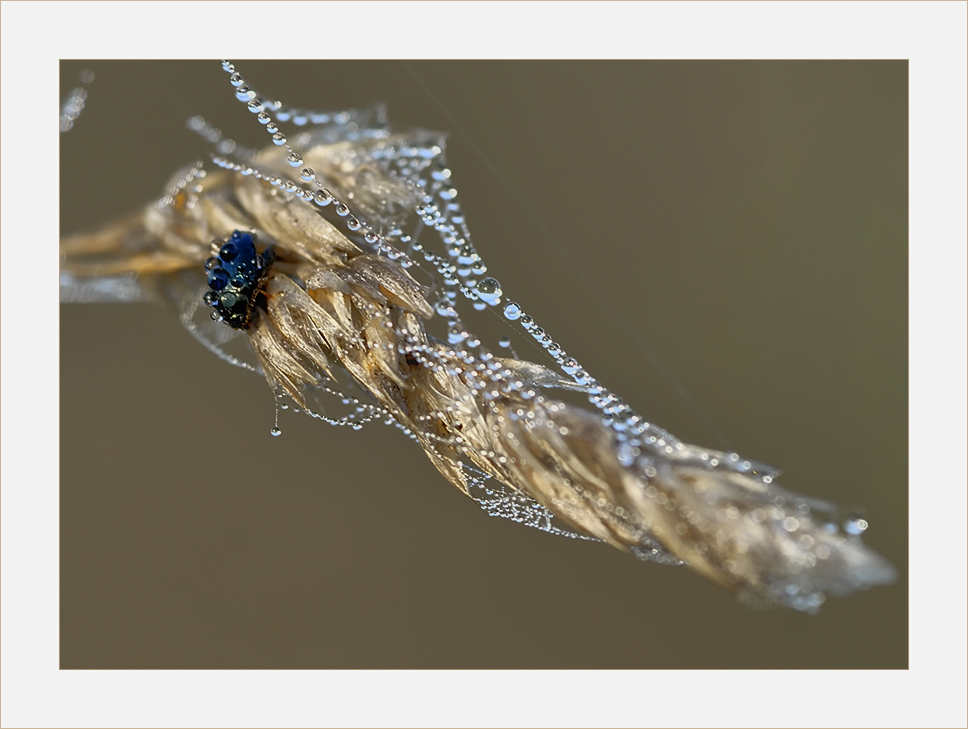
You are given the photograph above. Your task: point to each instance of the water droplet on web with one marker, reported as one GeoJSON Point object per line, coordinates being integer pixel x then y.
{"type": "Point", "coordinates": [855, 524]}
{"type": "Point", "coordinates": [275, 431]}
{"type": "Point", "coordinates": [512, 311]}
{"type": "Point", "coordinates": [295, 160]}
{"type": "Point", "coordinates": [504, 342]}
{"type": "Point", "coordinates": [490, 291]}
{"type": "Point", "coordinates": [279, 138]}
{"type": "Point", "coordinates": [445, 308]}
{"type": "Point", "coordinates": [236, 79]}
{"type": "Point", "coordinates": [466, 255]}
{"type": "Point", "coordinates": [456, 335]}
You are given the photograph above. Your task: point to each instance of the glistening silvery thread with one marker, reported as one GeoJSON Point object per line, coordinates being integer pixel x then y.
{"type": "Point", "coordinates": [334, 311]}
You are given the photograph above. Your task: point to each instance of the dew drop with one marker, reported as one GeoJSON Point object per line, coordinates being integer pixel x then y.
{"type": "Point", "coordinates": [264, 118]}
{"type": "Point", "coordinates": [295, 160]}
{"type": "Point", "coordinates": [275, 431]}
{"type": "Point", "coordinates": [218, 279]}
{"type": "Point", "coordinates": [456, 335]}
{"type": "Point", "coordinates": [244, 93]}
{"type": "Point", "coordinates": [490, 291]}
{"type": "Point", "coordinates": [353, 224]}
{"type": "Point", "coordinates": [255, 106]}
{"type": "Point", "coordinates": [278, 138]}
{"type": "Point", "coordinates": [504, 342]}
{"type": "Point", "coordinates": [626, 454]}
{"type": "Point", "coordinates": [444, 308]}
{"type": "Point", "coordinates": [467, 255]}
{"type": "Point", "coordinates": [855, 524]}
{"type": "Point", "coordinates": [512, 311]}
{"type": "Point", "coordinates": [307, 173]}
{"type": "Point", "coordinates": [236, 79]}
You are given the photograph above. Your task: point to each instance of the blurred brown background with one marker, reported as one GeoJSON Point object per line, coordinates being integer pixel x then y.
{"type": "Point", "coordinates": [745, 220]}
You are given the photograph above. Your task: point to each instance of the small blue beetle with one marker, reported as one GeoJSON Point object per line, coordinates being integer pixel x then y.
{"type": "Point", "coordinates": [236, 276]}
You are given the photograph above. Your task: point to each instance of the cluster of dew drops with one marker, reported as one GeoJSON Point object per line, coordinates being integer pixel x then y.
{"type": "Point", "coordinates": [459, 269]}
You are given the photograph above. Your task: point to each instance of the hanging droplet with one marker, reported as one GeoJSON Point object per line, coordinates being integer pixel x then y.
{"type": "Point", "coordinates": [323, 197]}
{"type": "Point", "coordinates": [228, 66]}
{"type": "Point", "coordinates": [307, 173]}
{"type": "Point", "coordinates": [255, 106]}
{"type": "Point", "coordinates": [275, 431]}
{"type": "Point", "coordinates": [244, 93]}
{"type": "Point", "coordinates": [278, 138]}
{"type": "Point", "coordinates": [512, 311]}
{"type": "Point", "coordinates": [295, 160]}
{"type": "Point", "coordinates": [236, 79]}
{"type": "Point", "coordinates": [353, 224]}
{"type": "Point", "coordinates": [504, 342]}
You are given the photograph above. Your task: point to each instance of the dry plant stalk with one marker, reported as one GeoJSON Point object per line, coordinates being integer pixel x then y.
{"type": "Point", "coordinates": [339, 312]}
